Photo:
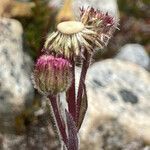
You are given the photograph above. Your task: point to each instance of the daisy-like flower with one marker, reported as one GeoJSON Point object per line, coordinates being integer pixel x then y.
{"type": "Point", "coordinates": [72, 37]}
{"type": "Point", "coordinates": [52, 75]}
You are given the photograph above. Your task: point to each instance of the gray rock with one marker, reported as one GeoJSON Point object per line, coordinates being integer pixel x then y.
{"type": "Point", "coordinates": [21, 127]}
{"type": "Point", "coordinates": [15, 86]}
{"type": "Point", "coordinates": [38, 136]}
{"type": "Point", "coordinates": [108, 134]}
{"type": "Point", "coordinates": [134, 53]}
{"type": "Point", "coordinates": [118, 107]}
{"type": "Point", "coordinates": [107, 6]}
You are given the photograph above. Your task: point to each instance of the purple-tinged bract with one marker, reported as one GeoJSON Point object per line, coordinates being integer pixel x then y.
{"type": "Point", "coordinates": [52, 75]}
{"type": "Point", "coordinates": [101, 23]}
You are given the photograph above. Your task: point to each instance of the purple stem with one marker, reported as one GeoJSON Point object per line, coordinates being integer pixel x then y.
{"type": "Point", "coordinates": [85, 66]}
{"type": "Point", "coordinates": [60, 124]}
{"type": "Point", "coordinates": [71, 96]}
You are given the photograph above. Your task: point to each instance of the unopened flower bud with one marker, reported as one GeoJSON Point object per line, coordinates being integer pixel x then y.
{"type": "Point", "coordinates": [52, 75]}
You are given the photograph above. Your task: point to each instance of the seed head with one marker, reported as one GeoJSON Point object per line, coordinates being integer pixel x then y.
{"type": "Point", "coordinates": [52, 75]}
{"type": "Point", "coordinates": [72, 37]}
{"type": "Point", "coordinates": [69, 39]}
{"type": "Point", "coordinates": [102, 23]}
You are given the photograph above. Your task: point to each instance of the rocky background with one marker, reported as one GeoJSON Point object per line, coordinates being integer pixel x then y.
{"type": "Point", "coordinates": [118, 81]}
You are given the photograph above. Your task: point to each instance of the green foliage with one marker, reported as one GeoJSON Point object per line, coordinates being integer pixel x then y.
{"type": "Point", "coordinates": [136, 8]}
{"type": "Point", "coordinates": [135, 14]}
{"type": "Point", "coordinates": [37, 26]}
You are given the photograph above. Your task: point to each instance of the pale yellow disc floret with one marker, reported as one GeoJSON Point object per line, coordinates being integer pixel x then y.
{"type": "Point", "coordinates": [70, 27]}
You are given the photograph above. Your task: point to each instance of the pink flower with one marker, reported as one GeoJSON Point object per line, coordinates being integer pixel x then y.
{"type": "Point", "coordinates": [52, 75]}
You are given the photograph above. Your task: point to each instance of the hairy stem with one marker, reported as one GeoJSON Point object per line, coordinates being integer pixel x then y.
{"type": "Point", "coordinates": [60, 124]}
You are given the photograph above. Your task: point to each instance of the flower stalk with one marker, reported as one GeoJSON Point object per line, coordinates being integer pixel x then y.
{"type": "Point", "coordinates": [59, 121]}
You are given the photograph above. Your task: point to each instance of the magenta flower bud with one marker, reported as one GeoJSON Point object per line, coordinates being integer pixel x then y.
{"type": "Point", "coordinates": [52, 75]}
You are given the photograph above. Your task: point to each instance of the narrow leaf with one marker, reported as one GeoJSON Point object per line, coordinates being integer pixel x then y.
{"type": "Point", "coordinates": [72, 133]}
{"type": "Point", "coordinates": [83, 108]}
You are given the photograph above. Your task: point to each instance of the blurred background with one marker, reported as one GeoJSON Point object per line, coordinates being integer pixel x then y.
{"type": "Point", "coordinates": [118, 81]}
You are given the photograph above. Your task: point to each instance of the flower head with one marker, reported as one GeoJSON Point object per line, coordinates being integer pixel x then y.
{"type": "Point", "coordinates": [69, 39]}
{"type": "Point", "coordinates": [72, 37]}
{"type": "Point", "coordinates": [52, 75]}
{"type": "Point", "coordinates": [101, 23]}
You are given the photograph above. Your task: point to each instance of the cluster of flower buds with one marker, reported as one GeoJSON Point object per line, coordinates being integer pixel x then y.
{"type": "Point", "coordinates": [52, 74]}
{"type": "Point", "coordinates": [53, 71]}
